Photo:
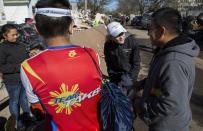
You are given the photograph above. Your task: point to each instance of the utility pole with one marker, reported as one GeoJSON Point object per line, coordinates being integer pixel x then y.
{"type": "Point", "coordinates": [85, 7]}
{"type": "Point", "coordinates": [2, 14]}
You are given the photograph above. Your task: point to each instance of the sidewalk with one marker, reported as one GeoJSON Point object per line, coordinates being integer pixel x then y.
{"type": "Point", "coordinates": [91, 40]}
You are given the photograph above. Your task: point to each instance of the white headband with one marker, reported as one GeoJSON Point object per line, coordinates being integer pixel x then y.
{"type": "Point", "coordinates": [54, 12]}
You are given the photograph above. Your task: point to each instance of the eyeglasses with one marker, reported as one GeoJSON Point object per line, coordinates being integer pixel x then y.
{"type": "Point", "coordinates": [121, 34]}
{"type": "Point", "coordinates": [194, 22]}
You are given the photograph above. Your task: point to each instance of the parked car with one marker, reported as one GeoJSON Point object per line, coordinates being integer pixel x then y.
{"type": "Point", "coordinates": [115, 19]}
{"type": "Point", "coordinates": [136, 21]}
{"type": "Point", "coordinates": [145, 21]}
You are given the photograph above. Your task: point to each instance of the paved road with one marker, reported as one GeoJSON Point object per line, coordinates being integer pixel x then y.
{"type": "Point", "coordinates": [197, 98]}
{"type": "Point", "coordinates": [146, 54]}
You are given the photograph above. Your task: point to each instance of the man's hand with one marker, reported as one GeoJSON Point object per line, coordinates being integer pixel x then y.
{"type": "Point", "coordinates": [139, 85]}
{"type": "Point", "coordinates": [136, 106]}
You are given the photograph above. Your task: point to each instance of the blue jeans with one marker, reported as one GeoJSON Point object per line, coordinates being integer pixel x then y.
{"type": "Point", "coordinates": [17, 99]}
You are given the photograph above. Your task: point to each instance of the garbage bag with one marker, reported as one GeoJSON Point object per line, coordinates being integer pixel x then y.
{"type": "Point", "coordinates": [116, 109]}
{"type": "Point", "coordinates": [2, 122]}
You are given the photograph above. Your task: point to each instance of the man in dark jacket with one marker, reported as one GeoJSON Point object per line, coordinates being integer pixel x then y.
{"type": "Point", "coordinates": [165, 105]}
{"type": "Point", "coordinates": [122, 56]}
{"type": "Point", "coordinates": [198, 35]}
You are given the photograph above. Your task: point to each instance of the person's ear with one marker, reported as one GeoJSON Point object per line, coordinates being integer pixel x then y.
{"type": "Point", "coordinates": [4, 35]}
{"type": "Point", "coordinates": [162, 32]}
{"type": "Point", "coordinates": [70, 30]}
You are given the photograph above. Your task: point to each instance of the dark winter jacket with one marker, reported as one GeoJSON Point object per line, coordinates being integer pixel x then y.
{"type": "Point", "coordinates": [168, 88]}
{"type": "Point", "coordinates": [122, 59]}
{"type": "Point", "coordinates": [198, 37]}
{"type": "Point", "coordinates": [11, 56]}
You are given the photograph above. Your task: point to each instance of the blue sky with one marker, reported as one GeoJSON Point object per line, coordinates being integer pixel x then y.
{"type": "Point", "coordinates": [72, 0]}
{"type": "Point", "coordinates": [112, 6]}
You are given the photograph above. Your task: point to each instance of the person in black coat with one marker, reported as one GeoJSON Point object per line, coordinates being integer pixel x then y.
{"type": "Point", "coordinates": [12, 54]}
{"type": "Point", "coordinates": [122, 56]}
{"type": "Point", "coordinates": [198, 37]}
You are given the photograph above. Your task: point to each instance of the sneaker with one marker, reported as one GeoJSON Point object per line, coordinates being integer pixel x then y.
{"type": "Point", "coordinates": [26, 119]}
{"type": "Point", "coordinates": [20, 126]}
{"type": "Point", "coordinates": [10, 124]}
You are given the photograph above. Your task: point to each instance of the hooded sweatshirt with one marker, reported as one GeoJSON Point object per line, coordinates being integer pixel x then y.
{"type": "Point", "coordinates": [168, 88]}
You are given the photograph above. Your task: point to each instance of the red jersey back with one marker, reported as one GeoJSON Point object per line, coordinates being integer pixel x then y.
{"type": "Point", "coordinates": [67, 84]}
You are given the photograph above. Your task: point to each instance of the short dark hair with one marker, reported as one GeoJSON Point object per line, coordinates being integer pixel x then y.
{"type": "Point", "coordinates": [7, 27]}
{"type": "Point", "coordinates": [169, 18]}
{"type": "Point", "coordinates": [53, 26]}
{"type": "Point", "coordinates": [36, 46]}
{"type": "Point", "coordinates": [28, 19]}
{"type": "Point", "coordinates": [200, 19]}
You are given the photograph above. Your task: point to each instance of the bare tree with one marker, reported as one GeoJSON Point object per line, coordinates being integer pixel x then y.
{"type": "Point", "coordinates": [132, 6]}
{"type": "Point", "coordinates": [127, 6]}
{"type": "Point", "coordinates": [94, 5]}
{"type": "Point", "coordinates": [150, 6]}
{"type": "Point", "coordinates": [143, 6]}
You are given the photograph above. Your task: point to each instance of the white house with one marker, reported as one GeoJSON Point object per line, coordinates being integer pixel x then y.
{"type": "Point", "coordinates": [14, 10]}
{"type": "Point", "coordinates": [17, 10]}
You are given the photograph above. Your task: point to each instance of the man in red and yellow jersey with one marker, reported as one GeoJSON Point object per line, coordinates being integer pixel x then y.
{"type": "Point", "coordinates": [63, 79]}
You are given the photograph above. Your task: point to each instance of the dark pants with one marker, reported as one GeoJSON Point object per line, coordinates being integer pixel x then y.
{"type": "Point", "coordinates": [17, 99]}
